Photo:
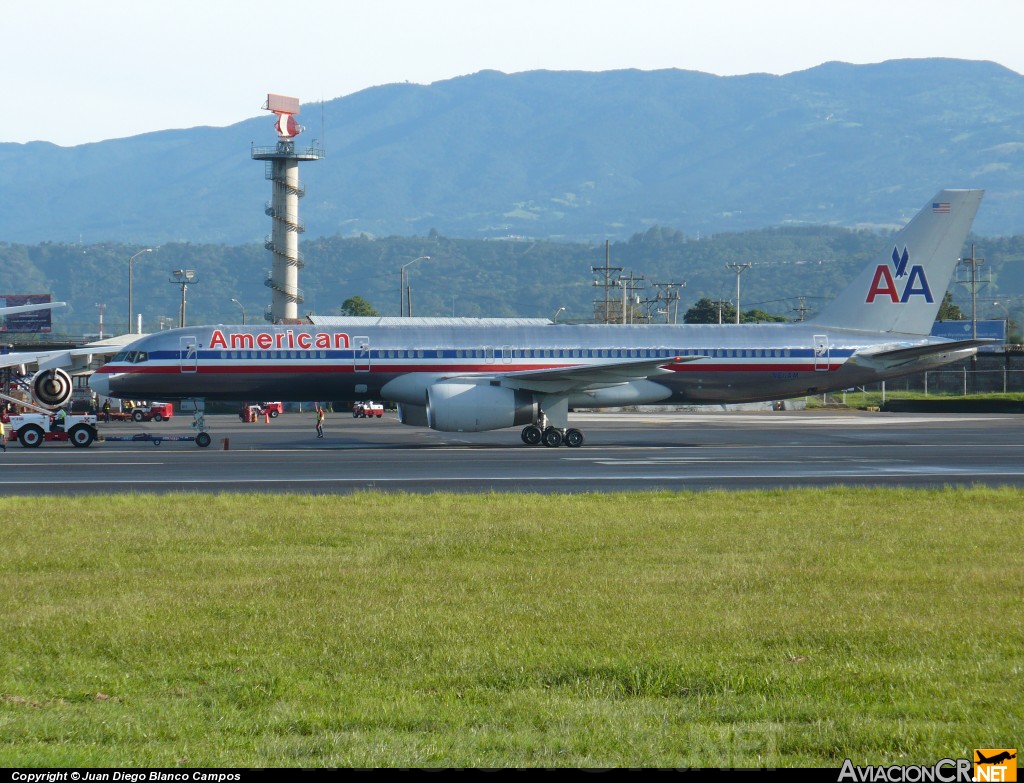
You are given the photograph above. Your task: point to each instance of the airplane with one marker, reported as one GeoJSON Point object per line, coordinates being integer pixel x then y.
{"type": "Point", "coordinates": [51, 385]}
{"type": "Point", "coordinates": [996, 759]}
{"type": "Point", "coordinates": [472, 375]}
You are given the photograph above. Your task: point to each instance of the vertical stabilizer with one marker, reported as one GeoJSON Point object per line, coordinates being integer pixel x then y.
{"type": "Point", "coordinates": [902, 289]}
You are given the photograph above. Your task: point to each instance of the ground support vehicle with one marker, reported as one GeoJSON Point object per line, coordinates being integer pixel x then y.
{"type": "Point", "coordinates": [273, 409]}
{"type": "Point", "coordinates": [31, 429]}
{"type": "Point", "coordinates": [154, 411]}
{"type": "Point", "coordinates": [157, 411]}
{"type": "Point", "coordinates": [367, 410]}
{"type": "Point", "coordinates": [252, 412]}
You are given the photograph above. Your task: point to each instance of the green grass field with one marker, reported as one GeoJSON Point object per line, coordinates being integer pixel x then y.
{"type": "Point", "coordinates": [691, 629]}
{"type": "Point", "coordinates": [874, 398]}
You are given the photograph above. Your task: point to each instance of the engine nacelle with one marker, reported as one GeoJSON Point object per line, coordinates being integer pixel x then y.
{"type": "Point", "coordinates": [52, 388]}
{"type": "Point", "coordinates": [471, 407]}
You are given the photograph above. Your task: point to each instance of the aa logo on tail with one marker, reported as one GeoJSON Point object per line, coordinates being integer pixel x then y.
{"type": "Point", "coordinates": [914, 282]}
{"type": "Point", "coordinates": [995, 764]}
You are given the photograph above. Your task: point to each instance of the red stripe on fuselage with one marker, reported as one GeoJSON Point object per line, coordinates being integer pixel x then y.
{"type": "Point", "coordinates": [208, 368]}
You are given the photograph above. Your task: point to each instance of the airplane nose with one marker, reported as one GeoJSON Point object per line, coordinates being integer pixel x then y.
{"type": "Point", "coordinates": [99, 382]}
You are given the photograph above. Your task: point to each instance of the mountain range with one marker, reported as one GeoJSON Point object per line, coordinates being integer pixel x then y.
{"type": "Point", "coordinates": [564, 155]}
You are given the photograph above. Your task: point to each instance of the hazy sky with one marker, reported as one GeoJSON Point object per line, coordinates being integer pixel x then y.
{"type": "Point", "coordinates": [75, 71]}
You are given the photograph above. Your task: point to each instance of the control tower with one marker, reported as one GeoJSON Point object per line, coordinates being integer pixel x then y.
{"type": "Point", "coordinates": [282, 168]}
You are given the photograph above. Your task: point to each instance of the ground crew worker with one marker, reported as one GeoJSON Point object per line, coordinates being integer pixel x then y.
{"type": "Point", "coordinates": [319, 420]}
{"type": "Point", "coordinates": [106, 411]}
{"type": "Point", "coordinates": [59, 420]}
{"type": "Point", "coordinates": [3, 435]}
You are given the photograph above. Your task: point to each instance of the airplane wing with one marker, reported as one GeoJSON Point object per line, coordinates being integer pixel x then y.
{"type": "Point", "coordinates": [586, 376]}
{"type": "Point", "coordinates": [6, 311]}
{"type": "Point", "coordinates": [73, 359]}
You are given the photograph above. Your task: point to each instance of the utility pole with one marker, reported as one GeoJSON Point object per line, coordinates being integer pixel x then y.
{"type": "Point", "coordinates": [671, 299]}
{"type": "Point", "coordinates": [627, 294]}
{"type": "Point", "coordinates": [973, 262]}
{"type": "Point", "coordinates": [739, 270]}
{"type": "Point", "coordinates": [607, 284]}
{"type": "Point", "coordinates": [720, 303]}
{"type": "Point", "coordinates": [802, 309]}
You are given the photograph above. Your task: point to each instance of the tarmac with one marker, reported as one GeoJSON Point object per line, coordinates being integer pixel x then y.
{"type": "Point", "coordinates": [622, 452]}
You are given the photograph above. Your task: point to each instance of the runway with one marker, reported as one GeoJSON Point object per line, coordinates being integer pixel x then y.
{"type": "Point", "coordinates": [623, 452]}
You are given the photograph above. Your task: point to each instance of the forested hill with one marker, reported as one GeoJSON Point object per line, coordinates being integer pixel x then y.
{"type": "Point", "coordinates": [469, 277]}
{"type": "Point", "coordinates": [570, 155]}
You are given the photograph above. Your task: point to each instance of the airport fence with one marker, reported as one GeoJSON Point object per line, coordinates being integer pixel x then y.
{"type": "Point", "coordinates": [959, 381]}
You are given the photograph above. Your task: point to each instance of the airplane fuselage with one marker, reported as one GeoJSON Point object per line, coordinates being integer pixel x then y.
{"type": "Point", "coordinates": [395, 359]}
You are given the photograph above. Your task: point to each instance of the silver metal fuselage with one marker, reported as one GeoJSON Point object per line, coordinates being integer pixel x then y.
{"type": "Point", "coordinates": [395, 359]}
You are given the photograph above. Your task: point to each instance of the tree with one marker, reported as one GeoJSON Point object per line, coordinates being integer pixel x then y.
{"type": "Point", "coordinates": [356, 305]}
{"type": "Point", "coordinates": [949, 311]}
{"type": "Point", "coordinates": [708, 312]}
{"type": "Point", "coordinates": [758, 316]}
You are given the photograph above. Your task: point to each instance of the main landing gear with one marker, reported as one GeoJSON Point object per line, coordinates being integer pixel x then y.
{"type": "Point", "coordinates": [552, 437]}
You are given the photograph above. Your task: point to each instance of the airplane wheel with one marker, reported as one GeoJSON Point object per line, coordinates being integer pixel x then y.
{"type": "Point", "coordinates": [203, 440]}
{"type": "Point", "coordinates": [552, 438]}
{"type": "Point", "coordinates": [531, 435]}
{"type": "Point", "coordinates": [137, 415]}
{"type": "Point", "coordinates": [31, 437]}
{"type": "Point", "coordinates": [574, 439]}
{"type": "Point", "coordinates": [81, 436]}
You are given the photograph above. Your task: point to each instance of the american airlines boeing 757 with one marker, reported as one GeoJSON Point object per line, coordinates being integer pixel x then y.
{"type": "Point", "coordinates": [471, 375]}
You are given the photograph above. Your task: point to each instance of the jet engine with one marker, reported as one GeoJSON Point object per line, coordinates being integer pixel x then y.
{"type": "Point", "coordinates": [52, 388]}
{"type": "Point", "coordinates": [471, 407]}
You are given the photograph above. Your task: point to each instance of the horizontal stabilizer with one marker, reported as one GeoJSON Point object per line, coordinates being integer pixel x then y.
{"type": "Point", "coordinates": [899, 355]}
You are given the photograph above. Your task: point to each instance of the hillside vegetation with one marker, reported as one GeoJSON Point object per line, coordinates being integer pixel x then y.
{"type": "Point", "coordinates": [569, 155]}
{"type": "Point", "coordinates": [478, 277]}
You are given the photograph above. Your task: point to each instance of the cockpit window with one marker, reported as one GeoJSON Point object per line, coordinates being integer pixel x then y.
{"type": "Point", "coordinates": [130, 358]}
{"type": "Point", "coordinates": [120, 357]}
{"type": "Point", "coordinates": [141, 356]}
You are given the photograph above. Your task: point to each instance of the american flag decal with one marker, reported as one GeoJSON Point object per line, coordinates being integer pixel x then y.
{"type": "Point", "coordinates": [941, 207]}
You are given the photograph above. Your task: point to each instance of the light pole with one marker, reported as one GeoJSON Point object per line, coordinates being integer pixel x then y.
{"type": "Point", "coordinates": [131, 328]}
{"type": "Point", "coordinates": [402, 289]}
{"type": "Point", "coordinates": [183, 277]}
{"type": "Point", "coordinates": [241, 308]}
{"type": "Point", "coordinates": [554, 318]}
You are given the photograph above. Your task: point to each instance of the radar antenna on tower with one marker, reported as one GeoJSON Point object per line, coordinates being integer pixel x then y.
{"type": "Point", "coordinates": [282, 168]}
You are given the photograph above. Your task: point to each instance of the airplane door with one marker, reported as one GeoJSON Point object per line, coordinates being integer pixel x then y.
{"type": "Point", "coordinates": [821, 357]}
{"type": "Point", "coordinates": [361, 354]}
{"type": "Point", "coordinates": [189, 354]}
{"type": "Point", "coordinates": [506, 354]}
